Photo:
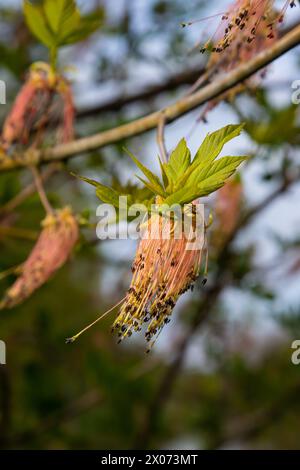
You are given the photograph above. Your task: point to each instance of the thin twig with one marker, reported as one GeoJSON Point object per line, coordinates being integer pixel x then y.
{"type": "Point", "coordinates": [28, 191]}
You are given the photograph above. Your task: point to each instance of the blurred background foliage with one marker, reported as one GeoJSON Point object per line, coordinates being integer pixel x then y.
{"type": "Point", "coordinates": [235, 386]}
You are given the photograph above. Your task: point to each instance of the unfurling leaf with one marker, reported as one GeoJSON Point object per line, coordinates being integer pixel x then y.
{"type": "Point", "coordinates": [214, 175]}
{"type": "Point", "coordinates": [204, 181]}
{"type": "Point", "coordinates": [228, 208]}
{"type": "Point", "coordinates": [59, 13]}
{"type": "Point", "coordinates": [184, 181]}
{"type": "Point", "coordinates": [209, 150]}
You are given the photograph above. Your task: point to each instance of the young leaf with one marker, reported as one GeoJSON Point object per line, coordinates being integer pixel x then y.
{"type": "Point", "coordinates": [182, 196]}
{"type": "Point", "coordinates": [163, 172]}
{"type": "Point", "coordinates": [214, 178]}
{"type": "Point", "coordinates": [58, 22]}
{"type": "Point", "coordinates": [205, 181]}
{"type": "Point", "coordinates": [37, 24]}
{"type": "Point", "coordinates": [106, 194]}
{"type": "Point", "coordinates": [148, 185]}
{"type": "Point", "coordinates": [155, 184]}
{"type": "Point", "coordinates": [63, 17]}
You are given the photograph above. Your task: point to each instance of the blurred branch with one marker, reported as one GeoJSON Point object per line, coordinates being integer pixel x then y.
{"type": "Point", "coordinates": [172, 112]}
{"type": "Point", "coordinates": [161, 139]}
{"type": "Point", "coordinates": [119, 102]}
{"type": "Point", "coordinates": [207, 303]}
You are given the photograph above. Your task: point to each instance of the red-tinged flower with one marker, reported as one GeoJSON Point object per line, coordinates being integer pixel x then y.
{"type": "Point", "coordinates": [44, 101]}
{"type": "Point", "coordinates": [164, 268]}
{"type": "Point", "coordinates": [52, 249]}
{"type": "Point", "coordinates": [228, 206]}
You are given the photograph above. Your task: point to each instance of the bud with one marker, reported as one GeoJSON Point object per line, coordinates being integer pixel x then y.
{"type": "Point", "coordinates": [52, 249]}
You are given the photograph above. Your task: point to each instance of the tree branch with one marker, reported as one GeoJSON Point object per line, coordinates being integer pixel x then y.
{"type": "Point", "coordinates": [188, 77]}
{"type": "Point", "coordinates": [172, 112]}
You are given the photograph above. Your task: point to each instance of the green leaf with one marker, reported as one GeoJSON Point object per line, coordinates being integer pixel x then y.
{"type": "Point", "coordinates": [58, 22]}
{"type": "Point", "coordinates": [63, 17]}
{"type": "Point", "coordinates": [37, 24]}
{"type": "Point", "coordinates": [155, 184]}
{"type": "Point", "coordinates": [148, 185]}
{"type": "Point", "coordinates": [182, 196]}
{"type": "Point", "coordinates": [57, 12]}
{"type": "Point", "coordinates": [179, 162]}
{"type": "Point", "coordinates": [105, 193]}
{"type": "Point", "coordinates": [215, 141]}
{"type": "Point", "coordinates": [163, 172]}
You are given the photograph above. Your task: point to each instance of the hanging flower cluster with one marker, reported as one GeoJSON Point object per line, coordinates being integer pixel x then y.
{"type": "Point", "coordinates": [246, 22]}
{"type": "Point", "coordinates": [165, 265]}
{"type": "Point", "coordinates": [45, 100]}
{"type": "Point", "coordinates": [228, 206]}
{"type": "Point", "coordinates": [249, 27]}
{"type": "Point", "coordinates": [52, 249]}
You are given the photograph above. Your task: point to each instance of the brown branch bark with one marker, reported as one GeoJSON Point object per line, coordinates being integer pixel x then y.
{"type": "Point", "coordinates": [172, 112]}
